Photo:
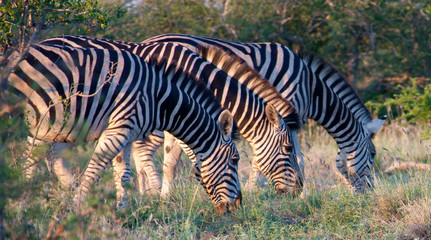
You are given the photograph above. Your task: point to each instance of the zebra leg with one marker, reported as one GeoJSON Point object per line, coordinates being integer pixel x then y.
{"type": "Point", "coordinates": [54, 161]}
{"type": "Point", "coordinates": [60, 168]}
{"type": "Point", "coordinates": [172, 154]}
{"type": "Point", "coordinates": [109, 145]}
{"type": "Point", "coordinates": [30, 163]}
{"type": "Point", "coordinates": [358, 182]}
{"type": "Point", "coordinates": [254, 175]}
{"type": "Point", "coordinates": [121, 167]}
{"type": "Point", "coordinates": [143, 152]}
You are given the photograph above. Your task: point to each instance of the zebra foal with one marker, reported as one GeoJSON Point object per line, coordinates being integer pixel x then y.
{"type": "Point", "coordinates": [116, 98]}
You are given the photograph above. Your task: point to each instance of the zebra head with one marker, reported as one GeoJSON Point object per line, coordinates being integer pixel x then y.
{"type": "Point", "coordinates": [219, 176]}
{"type": "Point", "coordinates": [357, 163]}
{"type": "Point", "coordinates": [275, 157]}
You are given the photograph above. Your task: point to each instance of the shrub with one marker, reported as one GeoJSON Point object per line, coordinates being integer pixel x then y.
{"type": "Point", "coordinates": [414, 103]}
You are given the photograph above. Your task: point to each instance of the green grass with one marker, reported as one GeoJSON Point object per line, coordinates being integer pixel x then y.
{"type": "Point", "coordinates": [398, 208]}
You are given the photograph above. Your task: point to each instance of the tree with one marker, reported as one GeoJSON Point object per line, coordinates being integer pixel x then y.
{"type": "Point", "coordinates": [367, 40]}
{"type": "Point", "coordinates": [21, 23]}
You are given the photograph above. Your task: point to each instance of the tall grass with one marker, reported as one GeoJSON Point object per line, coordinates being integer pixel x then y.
{"type": "Point", "coordinates": [398, 208]}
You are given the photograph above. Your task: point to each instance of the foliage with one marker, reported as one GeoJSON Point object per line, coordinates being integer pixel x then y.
{"type": "Point", "coordinates": [11, 184]}
{"type": "Point", "coordinates": [11, 132]}
{"type": "Point", "coordinates": [151, 17]}
{"type": "Point", "coordinates": [414, 103]}
{"type": "Point", "coordinates": [367, 40]}
{"type": "Point", "coordinates": [22, 19]}
{"type": "Point", "coordinates": [23, 22]}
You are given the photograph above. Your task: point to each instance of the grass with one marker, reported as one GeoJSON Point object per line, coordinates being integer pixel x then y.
{"type": "Point", "coordinates": [398, 208]}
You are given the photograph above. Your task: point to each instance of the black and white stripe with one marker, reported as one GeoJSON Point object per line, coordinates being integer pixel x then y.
{"type": "Point", "coordinates": [77, 94]}
{"type": "Point", "coordinates": [246, 95]}
{"type": "Point", "coordinates": [347, 120]}
{"type": "Point", "coordinates": [316, 90]}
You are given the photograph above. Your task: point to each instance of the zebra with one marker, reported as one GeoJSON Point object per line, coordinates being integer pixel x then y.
{"type": "Point", "coordinates": [317, 91]}
{"type": "Point", "coordinates": [116, 98]}
{"type": "Point", "coordinates": [267, 133]}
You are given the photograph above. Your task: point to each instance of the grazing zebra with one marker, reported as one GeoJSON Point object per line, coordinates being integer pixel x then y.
{"type": "Point", "coordinates": [116, 98]}
{"type": "Point", "coordinates": [244, 95]}
{"type": "Point", "coordinates": [317, 91]}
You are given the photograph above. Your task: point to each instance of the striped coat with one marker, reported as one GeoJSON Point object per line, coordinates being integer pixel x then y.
{"type": "Point", "coordinates": [317, 91]}
{"type": "Point", "coordinates": [76, 94]}
{"type": "Point", "coordinates": [244, 95]}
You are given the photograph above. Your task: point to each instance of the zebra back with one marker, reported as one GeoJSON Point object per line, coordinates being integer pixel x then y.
{"type": "Point", "coordinates": [335, 81]}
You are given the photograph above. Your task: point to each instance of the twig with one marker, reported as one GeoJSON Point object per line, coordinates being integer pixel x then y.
{"type": "Point", "coordinates": [110, 75]}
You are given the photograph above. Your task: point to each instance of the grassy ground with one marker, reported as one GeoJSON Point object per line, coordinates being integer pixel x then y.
{"type": "Point", "coordinates": [398, 208]}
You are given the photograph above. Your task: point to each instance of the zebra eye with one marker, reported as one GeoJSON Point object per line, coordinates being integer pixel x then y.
{"type": "Point", "coordinates": [372, 150]}
{"type": "Point", "coordinates": [373, 153]}
{"type": "Point", "coordinates": [288, 146]}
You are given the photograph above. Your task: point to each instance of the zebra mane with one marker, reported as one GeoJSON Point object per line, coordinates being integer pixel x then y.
{"type": "Point", "coordinates": [237, 68]}
{"type": "Point", "coordinates": [317, 64]}
{"type": "Point", "coordinates": [164, 64]}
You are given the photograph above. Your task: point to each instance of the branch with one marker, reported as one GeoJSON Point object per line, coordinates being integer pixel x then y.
{"type": "Point", "coordinates": [403, 166]}
{"type": "Point", "coordinates": [54, 102]}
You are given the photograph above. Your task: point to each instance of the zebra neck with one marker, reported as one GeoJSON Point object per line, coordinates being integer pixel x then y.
{"type": "Point", "coordinates": [188, 120]}
{"type": "Point", "coordinates": [334, 116]}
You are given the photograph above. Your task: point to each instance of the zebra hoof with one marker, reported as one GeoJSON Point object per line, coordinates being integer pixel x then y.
{"type": "Point", "coordinates": [362, 185]}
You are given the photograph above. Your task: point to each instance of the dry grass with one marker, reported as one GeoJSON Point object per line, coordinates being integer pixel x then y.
{"type": "Point", "coordinates": [398, 208]}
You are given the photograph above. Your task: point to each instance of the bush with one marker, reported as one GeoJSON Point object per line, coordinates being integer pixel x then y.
{"type": "Point", "coordinates": [414, 104]}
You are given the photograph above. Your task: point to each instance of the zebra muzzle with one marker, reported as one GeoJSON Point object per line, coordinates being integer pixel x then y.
{"type": "Point", "coordinates": [223, 207]}
{"type": "Point", "coordinates": [292, 190]}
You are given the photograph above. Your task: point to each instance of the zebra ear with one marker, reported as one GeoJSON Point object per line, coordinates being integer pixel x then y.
{"type": "Point", "coordinates": [272, 114]}
{"type": "Point", "coordinates": [225, 122]}
{"type": "Point", "coordinates": [374, 125]}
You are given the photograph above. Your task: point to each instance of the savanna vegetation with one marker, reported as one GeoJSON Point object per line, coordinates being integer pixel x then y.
{"type": "Point", "coordinates": [383, 48]}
